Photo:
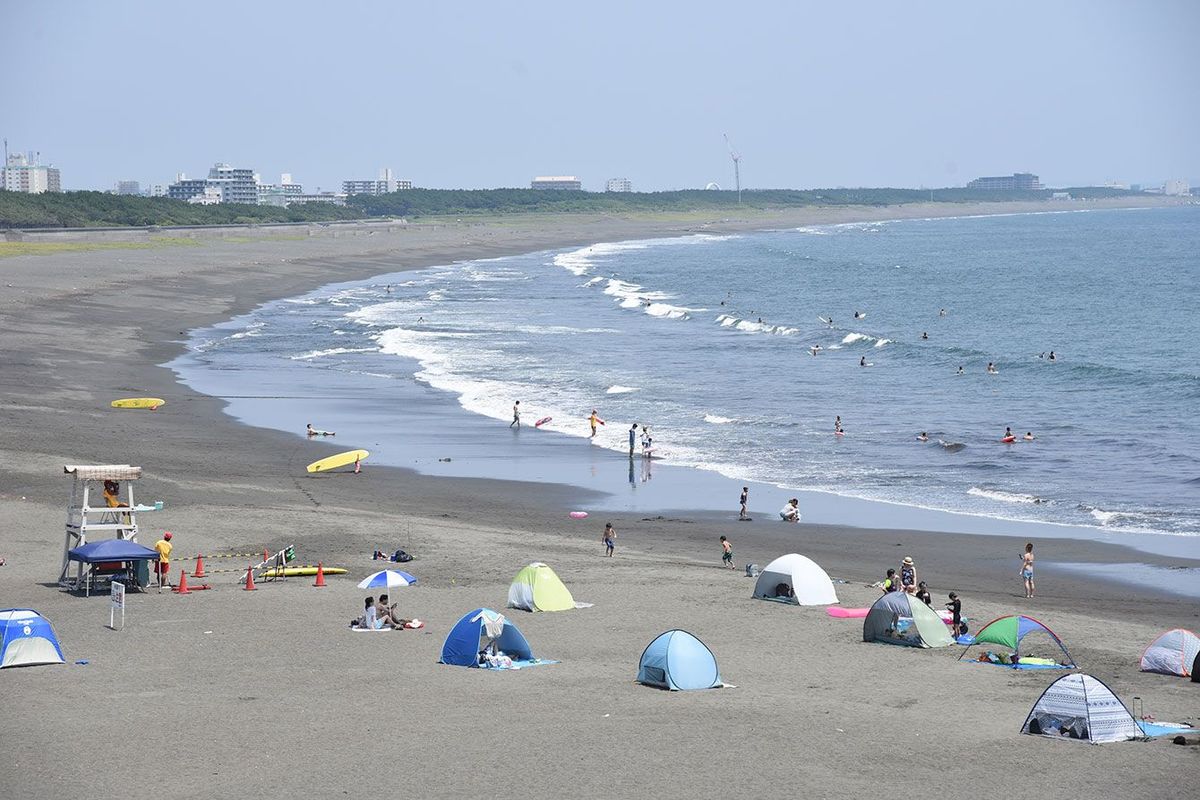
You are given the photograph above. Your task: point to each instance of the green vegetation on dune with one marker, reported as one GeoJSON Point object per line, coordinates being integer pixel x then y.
{"type": "Point", "coordinates": [97, 209]}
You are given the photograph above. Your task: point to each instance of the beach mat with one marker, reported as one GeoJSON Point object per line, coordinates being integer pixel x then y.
{"type": "Point", "coordinates": [1165, 728]}
{"type": "Point", "coordinates": [846, 613]}
{"type": "Point", "coordinates": [521, 664]}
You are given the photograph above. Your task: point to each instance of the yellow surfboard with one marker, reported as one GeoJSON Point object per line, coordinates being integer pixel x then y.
{"type": "Point", "coordinates": [297, 572]}
{"type": "Point", "coordinates": [139, 402]}
{"type": "Point", "coordinates": [339, 460]}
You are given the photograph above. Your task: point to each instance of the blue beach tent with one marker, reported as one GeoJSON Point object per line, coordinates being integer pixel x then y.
{"type": "Point", "coordinates": [26, 638]}
{"type": "Point", "coordinates": [478, 630]}
{"type": "Point", "coordinates": [678, 661]}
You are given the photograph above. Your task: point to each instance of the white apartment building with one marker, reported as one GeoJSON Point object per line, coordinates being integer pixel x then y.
{"type": "Point", "coordinates": [618, 185]}
{"type": "Point", "coordinates": [23, 173]}
{"type": "Point", "coordinates": [1177, 188]}
{"type": "Point", "coordinates": [385, 184]}
{"type": "Point", "coordinates": [560, 182]}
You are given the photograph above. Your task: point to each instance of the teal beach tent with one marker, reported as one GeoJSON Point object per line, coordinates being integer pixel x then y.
{"type": "Point", "coordinates": [678, 661]}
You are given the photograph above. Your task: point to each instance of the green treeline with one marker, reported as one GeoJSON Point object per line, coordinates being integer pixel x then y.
{"type": "Point", "coordinates": [98, 209]}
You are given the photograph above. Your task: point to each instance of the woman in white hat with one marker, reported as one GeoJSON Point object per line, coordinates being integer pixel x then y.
{"type": "Point", "coordinates": [908, 575]}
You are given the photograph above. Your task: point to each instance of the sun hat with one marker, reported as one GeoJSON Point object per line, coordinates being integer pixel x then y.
{"type": "Point", "coordinates": [908, 560]}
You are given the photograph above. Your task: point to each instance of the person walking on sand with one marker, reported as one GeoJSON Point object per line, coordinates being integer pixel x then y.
{"type": "Point", "coordinates": [727, 553]}
{"type": "Point", "coordinates": [593, 420]}
{"type": "Point", "coordinates": [1027, 568]}
{"type": "Point", "coordinates": [908, 575]}
{"type": "Point", "coordinates": [610, 539]}
{"type": "Point", "coordinates": [744, 513]}
{"type": "Point", "coordinates": [632, 438]}
{"type": "Point", "coordinates": [163, 565]}
{"type": "Point", "coordinates": [516, 415]}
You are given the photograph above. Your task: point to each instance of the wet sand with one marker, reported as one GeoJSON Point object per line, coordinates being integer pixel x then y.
{"type": "Point", "coordinates": [268, 693]}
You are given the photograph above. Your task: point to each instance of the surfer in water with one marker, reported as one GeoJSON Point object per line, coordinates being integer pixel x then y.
{"type": "Point", "coordinates": [1008, 434]}
{"type": "Point", "coordinates": [923, 437]}
{"type": "Point", "coordinates": [1029, 437]}
{"type": "Point", "coordinates": [837, 425]}
{"type": "Point", "coordinates": [942, 312]}
{"type": "Point", "coordinates": [924, 336]}
{"type": "Point", "coordinates": [1052, 356]}
{"type": "Point", "coordinates": [991, 368]}
{"type": "Point", "coordinates": [858, 315]}
{"type": "Point", "coordinates": [816, 348]}
{"type": "Point", "coordinates": [862, 362]}
{"type": "Point", "coordinates": [960, 371]}
{"type": "Point", "coordinates": [311, 431]}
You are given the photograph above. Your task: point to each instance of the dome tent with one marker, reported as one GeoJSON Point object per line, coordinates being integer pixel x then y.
{"type": "Point", "coordinates": [1081, 707]}
{"type": "Point", "coordinates": [537, 588]}
{"type": "Point", "coordinates": [1011, 632]}
{"type": "Point", "coordinates": [900, 618]}
{"type": "Point", "coordinates": [807, 584]}
{"type": "Point", "coordinates": [26, 639]}
{"type": "Point", "coordinates": [1172, 653]}
{"type": "Point", "coordinates": [678, 661]}
{"type": "Point", "coordinates": [479, 630]}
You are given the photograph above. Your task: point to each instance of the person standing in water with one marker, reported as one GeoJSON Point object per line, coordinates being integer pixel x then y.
{"type": "Point", "coordinates": [744, 514]}
{"type": "Point", "coordinates": [837, 425]}
{"type": "Point", "coordinates": [1027, 568]}
{"type": "Point", "coordinates": [632, 438]}
{"type": "Point", "coordinates": [609, 538]}
{"type": "Point", "coordinates": [593, 420]}
{"type": "Point", "coordinates": [516, 415]}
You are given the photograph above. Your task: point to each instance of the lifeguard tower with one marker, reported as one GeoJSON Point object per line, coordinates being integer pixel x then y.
{"type": "Point", "coordinates": [112, 512]}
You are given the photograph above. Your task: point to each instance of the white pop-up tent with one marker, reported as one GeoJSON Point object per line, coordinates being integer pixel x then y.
{"type": "Point", "coordinates": [1172, 653]}
{"type": "Point", "coordinates": [1081, 707]}
{"type": "Point", "coordinates": [795, 579]}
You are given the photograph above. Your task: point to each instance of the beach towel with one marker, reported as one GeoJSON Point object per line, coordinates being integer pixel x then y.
{"type": "Point", "coordinates": [521, 663]}
{"type": "Point", "coordinates": [1165, 728]}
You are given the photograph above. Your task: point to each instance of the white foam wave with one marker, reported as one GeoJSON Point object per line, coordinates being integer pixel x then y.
{"type": "Point", "coordinates": [883, 342]}
{"type": "Point", "coordinates": [716, 419]}
{"type": "Point", "coordinates": [333, 351]}
{"type": "Point", "coordinates": [730, 321]}
{"type": "Point", "coordinates": [1005, 497]}
{"type": "Point", "coordinates": [1104, 517]}
{"type": "Point", "coordinates": [851, 338]}
{"type": "Point", "coordinates": [618, 389]}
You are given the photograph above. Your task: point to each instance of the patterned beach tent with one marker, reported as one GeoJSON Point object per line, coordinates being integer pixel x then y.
{"type": "Point", "coordinates": [795, 579]}
{"type": "Point", "coordinates": [537, 588]}
{"type": "Point", "coordinates": [1011, 632]}
{"type": "Point", "coordinates": [900, 618]}
{"type": "Point", "coordinates": [678, 661]}
{"type": "Point", "coordinates": [1081, 707]}
{"type": "Point", "coordinates": [1172, 653]}
{"type": "Point", "coordinates": [482, 629]}
{"type": "Point", "coordinates": [26, 639]}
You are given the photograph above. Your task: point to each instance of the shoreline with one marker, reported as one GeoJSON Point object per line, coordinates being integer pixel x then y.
{"type": "Point", "coordinates": [257, 673]}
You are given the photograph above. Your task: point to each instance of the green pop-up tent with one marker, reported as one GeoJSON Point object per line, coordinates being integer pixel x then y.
{"type": "Point", "coordinates": [1011, 632]}
{"type": "Point", "coordinates": [537, 588]}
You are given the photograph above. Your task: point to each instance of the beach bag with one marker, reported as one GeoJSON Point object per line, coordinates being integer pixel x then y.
{"type": "Point", "coordinates": [401, 557]}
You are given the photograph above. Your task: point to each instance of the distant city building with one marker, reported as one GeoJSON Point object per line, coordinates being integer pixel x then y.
{"type": "Point", "coordinates": [157, 190]}
{"type": "Point", "coordinates": [210, 196]}
{"type": "Point", "coordinates": [129, 187]}
{"type": "Point", "coordinates": [386, 184]}
{"type": "Point", "coordinates": [1016, 181]}
{"type": "Point", "coordinates": [1177, 188]}
{"type": "Point", "coordinates": [237, 184]}
{"type": "Point", "coordinates": [1116, 185]}
{"type": "Point", "coordinates": [618, 185]}
{"type": "Point", "coordinates": [567, 182]}
{"type": "Point", "coordinates": [24, 173]}
{"type": "Point", "coordinates": [185, 188]}
{"type": "Point", "coordinates": [1061, 196]}
{"type": "Point", "coordinates": [323, 197]}
{"type": "Point", "coordinates": [279, 194]}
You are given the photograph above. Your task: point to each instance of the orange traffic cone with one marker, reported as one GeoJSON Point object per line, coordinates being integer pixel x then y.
{"type": "Point", "coordinates": [182, 587]}
{"type": "Point", "coordinates": [320, 581]}
{"type": "Point", "coordinates": [250, 587]}
{"type": "Point", "coordinates": [199, 571]}
{"type": "Point", "coordinates": [357, 466]}
{"type": "Point", "coordinates": [266, 556]}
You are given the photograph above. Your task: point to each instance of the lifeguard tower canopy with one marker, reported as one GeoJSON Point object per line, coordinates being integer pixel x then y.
{"type": "Point", "coordinates": [115, 514]}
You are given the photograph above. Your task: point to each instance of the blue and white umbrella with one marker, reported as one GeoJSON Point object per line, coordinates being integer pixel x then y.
{"type": "Point", "coordinates": [387, 579]}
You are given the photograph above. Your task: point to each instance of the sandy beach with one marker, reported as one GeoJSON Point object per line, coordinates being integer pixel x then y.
{"type": "Point", "coordinates": [268, 694]}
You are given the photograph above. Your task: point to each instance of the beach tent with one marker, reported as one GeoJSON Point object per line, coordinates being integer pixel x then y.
{"type": "Point", "coordinates": [1172, 653]}
{"type": "Point", "coordinates": [108, 551]}
{"type": "Point", "coordinates": [678, 661]}
{"type": "Point", "coordinates": [807, 584]}
{"type": "Point", "coordinates": [1011, 632]}
{"type": "Point", "coordinates": [537, 588]}
{"type": "Point", "coordinates": [900, 618]}
{"type": "Point", "coordinates": [481, 629]}
{"type": "Point", "coordinates": [26, 638]}
{"type": "Point", "coordinates": [1081, 707]}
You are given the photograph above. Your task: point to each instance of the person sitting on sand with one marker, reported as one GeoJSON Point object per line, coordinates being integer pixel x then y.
{"type": "Point", "coordinates": [889, 583]}
{"type": "Point", "coordinates": [368, 619]}
{"type": "Point", "coordinates": [908, 575]}
{"type": "Point", "coordinates": [311, 431]}
{"type": "Point", "coordinates": [923, 594]}
{"type": "Point", "coordinates": [791, 511]}
{"type": "Point", "coordinates": [386, 614]}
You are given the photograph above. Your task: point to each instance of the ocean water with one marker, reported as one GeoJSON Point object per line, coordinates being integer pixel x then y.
{"type": "Point", "coordinates": [708, 340]}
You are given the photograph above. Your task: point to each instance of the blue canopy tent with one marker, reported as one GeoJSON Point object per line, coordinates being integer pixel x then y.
{"type": "Point", "coordinates": [678, 661]}
{"type": "Point", "coordinates": [108, 551]}
{"type": "Point", "coordinates": [479, 630]}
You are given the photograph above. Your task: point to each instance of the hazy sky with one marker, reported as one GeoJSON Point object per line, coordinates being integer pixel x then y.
{"type": "Point", "coordinates": [466, 94]}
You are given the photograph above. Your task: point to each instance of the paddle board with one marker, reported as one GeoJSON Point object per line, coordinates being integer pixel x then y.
{"type": "Point", "coordinates": [138, 402]}
{"type": "Point", "coordinates": [826, 321]}
{"type": "Point", "coordinates": [296, 572]}
{"type": "Point", "coordinates": [1007, 439]}
{"type": "Point", "coordinates": [339, 460]}
{"type": "Point", "coordinates": [542, 421]}
{"type": "Point", "coordinates": [839, 433]}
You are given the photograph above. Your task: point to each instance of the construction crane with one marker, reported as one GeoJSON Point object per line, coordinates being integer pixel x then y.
{"type": "Point", "coordinates": [737, 160]}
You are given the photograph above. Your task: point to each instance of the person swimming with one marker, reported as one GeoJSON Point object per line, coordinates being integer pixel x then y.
{"type": "Point", "coordinates": [1052, 356]}
{"type": "Point", "coordinates": [942, 312]}
{"type": "Point", "coordinates": [859, 315]}
{"type": "Point", "coordinates": [816, 348]}
{"type": "Point", "coordinates": [960, 370]}
{"type": "Point", "coordinates": [924, 336]}
{"type": "Point", "coordinates": [923, 437]}
{"type": "Point", "coordinates": [837, 424]}
{"type": "Point", "coordinates": [862, 362]}
{"type": "Point", "coordinates": [991, 368]}
{"type": "Point", "coordinates": [1029, 437]}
